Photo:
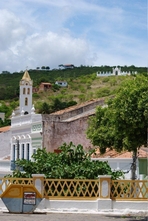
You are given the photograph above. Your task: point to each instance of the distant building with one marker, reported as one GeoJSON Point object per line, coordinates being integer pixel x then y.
{"type": "Point", "coordinates": [44, 86]}
{"type": "Point", "coordinates": [115, 71]}
{"type": "Point", "coordinates": [66, 66]}
{"type": "Point", "coordinates": [61, 83]}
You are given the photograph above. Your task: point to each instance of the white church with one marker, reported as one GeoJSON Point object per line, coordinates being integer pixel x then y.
{"type": "Point", "coordinates": [26, 126]}
{"type": "Point", "coordinates": [115, 71]}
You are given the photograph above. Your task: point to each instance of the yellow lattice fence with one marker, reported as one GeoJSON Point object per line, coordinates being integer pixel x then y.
{"type": "Point", "coordinates": [71, 189]}
{"type": "Point", "coordinates": [129, 189]}
{"type": "Point", "coordinates": [5, 182]}
{"type": "Point", "coordinates": [84, 189]}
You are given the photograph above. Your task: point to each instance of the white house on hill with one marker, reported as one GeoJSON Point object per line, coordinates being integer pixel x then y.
{"type": "Point", "coordinates": [115, 71]}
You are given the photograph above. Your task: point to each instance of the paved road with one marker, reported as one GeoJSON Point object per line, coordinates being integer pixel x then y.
{"type": "Point", "coordinates": [65, 217]}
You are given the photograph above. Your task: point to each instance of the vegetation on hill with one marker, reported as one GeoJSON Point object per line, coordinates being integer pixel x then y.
{"type": "Point", "coordinates": [83, 85]}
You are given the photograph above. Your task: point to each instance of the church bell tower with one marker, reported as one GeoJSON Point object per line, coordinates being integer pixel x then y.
{"type": "Point", "coordinates": [26, 94]}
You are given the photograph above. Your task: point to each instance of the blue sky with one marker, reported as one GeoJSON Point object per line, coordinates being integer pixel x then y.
{"type": "Point", "coordinates": [34, 33]}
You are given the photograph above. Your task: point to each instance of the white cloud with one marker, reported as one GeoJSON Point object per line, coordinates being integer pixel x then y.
{"type": "Point", "coordinates": [47, 32]}
{"type": "Point", "coordinates": [47, 49]}
{"type": "Point", "coordinates": [10, 28]}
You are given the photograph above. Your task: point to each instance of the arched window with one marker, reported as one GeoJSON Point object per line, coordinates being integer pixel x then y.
{"type": "Point", "coordinates": [13, 156]}
{"type": "Point", "coordinates": [28, 92]}
{"type": "Point", "coordinates": [28, 152]}
{"type": "Point", "coordinates": [24, 90]}
{"type": "Point", "coordinates": [26, 101]}
{"type": "Point", "coordinates": [22, 157]}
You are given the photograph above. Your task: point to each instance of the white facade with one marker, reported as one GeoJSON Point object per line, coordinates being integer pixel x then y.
{"type": "Point", "coordinates": [26, 126]}
{"type": "Point", "coordinates": [5, 144]}
{"type": "Point", "coordinates": [115, 71]}
{"type": "Point", "coordinates": [123, 164]}
{"type": "Point", "coordinates": [61, 83]}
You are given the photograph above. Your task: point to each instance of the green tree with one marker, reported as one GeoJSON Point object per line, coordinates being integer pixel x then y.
{"type": "Point", "coordinates": [43, 67]}
{"type": "Point", "coordinates": [122, 125]}
{"type": "Point", "coordinates": [45, 108]}
{"type": "Point", "coordinates": [47, 68]}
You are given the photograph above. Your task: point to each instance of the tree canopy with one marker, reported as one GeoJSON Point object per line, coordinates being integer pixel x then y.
{"type": "Point", "coordinates": [123, 123]}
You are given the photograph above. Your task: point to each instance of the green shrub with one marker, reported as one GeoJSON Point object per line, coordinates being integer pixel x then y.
{"type": "Point", "coordinates": [81, 97]}
{"type": "Point", "coordinates": [35, 95]}
{"type": "Point", "coordinates": [71, 163]}
{"type": "Point", "coordinates": [82, 89]}
{"type": "Point", "coordinates": [105, 79]}
{"type": "Point", "coordinates": [103, 92]}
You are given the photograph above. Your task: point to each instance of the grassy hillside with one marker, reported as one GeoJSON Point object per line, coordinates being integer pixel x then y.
{"type": "Point", "coordinates": [83, 85]}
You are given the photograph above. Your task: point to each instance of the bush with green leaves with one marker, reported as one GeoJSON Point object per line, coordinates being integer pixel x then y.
{"type": "Point", "coordinates": [73, 162]}
{"type": "Point", "coordinates": [35, 95]}
{"type": "Point", "coordinates": [103, 92]}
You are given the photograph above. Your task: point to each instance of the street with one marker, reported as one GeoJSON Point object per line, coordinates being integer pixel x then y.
{"type": "Point", "coordinates": [4, 216]}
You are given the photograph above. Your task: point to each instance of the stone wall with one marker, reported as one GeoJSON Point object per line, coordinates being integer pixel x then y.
{"type": "Point", "coordinates": [68, 125]}
{"type": "Point", "coordinates": [56, 133]}
{"type": "Point", "coordinates": [75, 110]}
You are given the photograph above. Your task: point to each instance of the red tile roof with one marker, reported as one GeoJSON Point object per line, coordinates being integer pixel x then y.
{"type": "Point", "coordinates": [45, 83]}
{"type": "Point", "coordinates": [4, 129]}
{"type": "Point", "coordinates": [142, 153]}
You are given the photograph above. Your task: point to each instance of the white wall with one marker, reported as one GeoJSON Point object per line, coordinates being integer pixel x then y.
{"type": "Point", "coordinates": [5, 144]}
{"type": "Point", "coordinates": [120, 164]}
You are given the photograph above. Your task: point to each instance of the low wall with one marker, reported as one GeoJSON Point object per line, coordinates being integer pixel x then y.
{"type": "Point", "coordinates": [85, 196]}
{"type": "Point", "coordinates": [91, 206]}
{"type": "Point", "coordinates": [95, 206]}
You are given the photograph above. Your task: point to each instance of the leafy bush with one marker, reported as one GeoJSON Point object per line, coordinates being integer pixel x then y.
{"type": "Point", "coordinates": [55, 87]}
{"type": "Point", "coordinates": [81, 97]}
{"type": "Point", "coordinates": [82, 89]}
{"type": "Point", "coordinates": [71, 163]}
{"type": "Point", "coordinates": [103, 92]}
{"type": "Point", "coordinates": [35, 95]}
{"type": "Point", "coordinates": [105, 79]}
